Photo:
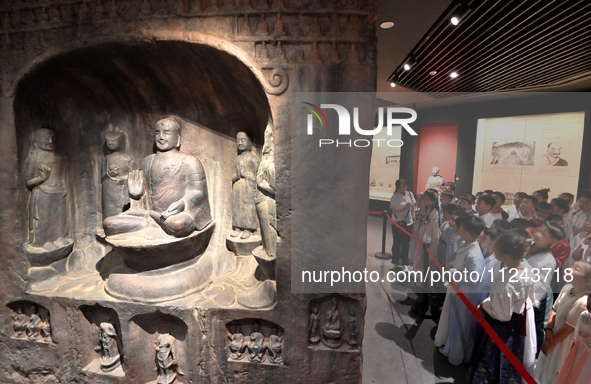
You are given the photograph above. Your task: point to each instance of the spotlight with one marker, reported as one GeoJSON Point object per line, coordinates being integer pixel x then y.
{"type": "Point", "coordinates": [459, 14]}
{"type": "Point", "coordinates": [409, 64]}
{"type": "Point", "coordinates": [393, 79]}
{"type": "Point", "coordinates": [433, 73]}
{"type": "Point", "coordinates": [453, 75]}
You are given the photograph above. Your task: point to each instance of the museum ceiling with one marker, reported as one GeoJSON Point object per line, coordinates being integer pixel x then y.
{"type": "Point", "coordinates": [496, 46]}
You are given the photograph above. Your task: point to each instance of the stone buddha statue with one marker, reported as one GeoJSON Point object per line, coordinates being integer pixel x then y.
{"type": "Point", "coordinates": [169, 190]}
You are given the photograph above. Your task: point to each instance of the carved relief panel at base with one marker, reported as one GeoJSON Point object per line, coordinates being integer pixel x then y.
{"type": "Point", "coordinates": [334, 323]}
{"type": "Point", "coordinates": [255, 341]}
{"type": "Point", "coordinates": [30, 321]}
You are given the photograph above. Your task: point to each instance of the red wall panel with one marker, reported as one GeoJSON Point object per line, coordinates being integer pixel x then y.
{"type": "Point", "coordinates": [438, 146]}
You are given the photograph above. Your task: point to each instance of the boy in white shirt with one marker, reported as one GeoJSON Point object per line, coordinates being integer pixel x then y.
{"type": "Point", "coordinates": [483, 207]}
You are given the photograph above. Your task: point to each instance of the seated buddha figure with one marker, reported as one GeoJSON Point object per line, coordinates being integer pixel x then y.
{"type": "Point", "coordinates": [171, 187]}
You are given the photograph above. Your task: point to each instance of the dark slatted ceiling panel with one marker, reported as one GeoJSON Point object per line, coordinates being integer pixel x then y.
{"type": "Point", "coordinates": [502, 45]}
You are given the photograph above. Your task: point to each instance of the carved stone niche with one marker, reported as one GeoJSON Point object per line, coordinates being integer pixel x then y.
{"type": "Point", "coordinates": [255, 341]}
{"type": "Point", "coordinates": [102, 349]}
{"type": "Point", "coordinates": [131, 87]}
{"type": "Point", "coordinates": [30, 321]}
{"type": "Point", "coordinates": [161, 349]}
{"type": "Point", "coordinates": [334, 324]}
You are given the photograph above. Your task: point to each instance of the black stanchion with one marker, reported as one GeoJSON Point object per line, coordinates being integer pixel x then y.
{"type": "Point", "coordinates": [384, 254]}
{"type": "Point", "coordinates": [422, 307]}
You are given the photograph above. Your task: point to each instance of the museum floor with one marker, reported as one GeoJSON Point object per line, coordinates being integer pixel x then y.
{"type": "Point", "coordinates": [398, 346]}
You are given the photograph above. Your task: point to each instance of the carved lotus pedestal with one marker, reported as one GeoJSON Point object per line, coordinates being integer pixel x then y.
{"type": "Point", "coordinates": [158, 267]}
{"type": "Point", "coordinates": [49, 253]}
{"type": "Point", "coordinates": [266, 262]}
{"type": "Point", "coordinates": [243, 247]}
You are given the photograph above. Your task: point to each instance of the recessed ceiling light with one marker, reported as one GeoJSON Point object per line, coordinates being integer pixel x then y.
{"type": "Point", "coordinates": [459, 14]}
{"type": "Point", "coordinates": [433, 73]}
{"type": "Point", "coordinates": [406, 67]}
{"type": "Point", "coordinates": [392, 84]}
{"type": "Point", "coordinates": [453, 75]}
{"type": "Point", "coordinates": [387, 25]}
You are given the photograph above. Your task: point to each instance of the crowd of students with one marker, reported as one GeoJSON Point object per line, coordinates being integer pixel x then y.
{"type": "Point", "coordinates": [533, 264]}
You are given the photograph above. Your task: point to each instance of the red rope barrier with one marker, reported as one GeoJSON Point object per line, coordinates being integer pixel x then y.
{"type": "Point", "coordinates": [375, 213]}
{"type": "Point", "coordinates": [493, 335]}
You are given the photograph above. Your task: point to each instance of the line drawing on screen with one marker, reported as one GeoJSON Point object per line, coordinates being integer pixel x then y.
{"type": "Point", "coordinates": [513, 153]}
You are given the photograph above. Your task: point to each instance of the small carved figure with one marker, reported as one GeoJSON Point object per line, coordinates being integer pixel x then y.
{"type": "Point", "coordinates": [237, 346]}
{"type": "Point", "coordinates": [274, 347]}
{"type": "Point", "coordinates": [256, 347]}
{"type": "Point", "coordinates": [332, 328]}
{"type": "Point", "coordinates": [174, 186]}
{"type": "Point", "coordinates": [263, 27]}
{"type": "Point", "coordinates": [244, 217]}
{"type": "Point", "coordinates": [166, 363]}
{"type": "Point", "coordinates": [265, 194]}
{"type": "Point", "coordinates": [352, 327]}
{"type": "Point", "coordinates": [35, 324]}
{"type": "Point", "coordinates": [45, 330]}
{"type": "Point", "coordinates": [45, 178]}
{"type": "Point", "coordinates": [20, 321]}
{"type": "Point", "coordinates": [314, 328]}
{"type": "Point", "coordinates": [116, 168]}
{"type": "Point", "coordinates": [110, 358]}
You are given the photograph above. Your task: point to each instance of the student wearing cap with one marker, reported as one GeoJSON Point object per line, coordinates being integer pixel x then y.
{"type": "Point", "coordinates": [465, 202]}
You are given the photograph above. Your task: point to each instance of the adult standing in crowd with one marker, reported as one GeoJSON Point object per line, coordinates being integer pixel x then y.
{"type": "Point", "coordinates": [401, 209]}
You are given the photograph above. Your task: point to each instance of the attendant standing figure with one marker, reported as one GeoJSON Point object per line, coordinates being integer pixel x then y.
{"type": "Point", "coordinates": [314, 328]}
{"type": "Point", "coordinates": [244, 186]}
{"type": "Point", "coordinates": [116, 167]}
{"type": "Point", "coordinates": [166, 363]}
{"type": "Point", "coordinates": [46, 179]}
{"type": "Point", "coordinates": [265, 195]}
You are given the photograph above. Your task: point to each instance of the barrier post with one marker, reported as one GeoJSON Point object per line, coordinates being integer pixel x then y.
{"type": "Point", "coordinates": [422, 307]}
{"type": "Point", "coordinates": [384, 254]}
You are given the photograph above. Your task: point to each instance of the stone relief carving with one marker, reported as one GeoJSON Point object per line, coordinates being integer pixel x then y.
{"type": "Point", "coordinates": [332, 328]}
{"type": "Point", "coordinates": [255, 345]}
{"type": "Point", "coordinates": [31, 321]}
{"type": "Point", "coordinates": [334, 321]}
{"type": "Point", "coordinates": [265, 206]}
{"type": "Point", "coordinates": [169, 201]}
{"type": "Point", "coordinates": [244, 186]}
{"type": "Point", "coordinates": [275, 347]}
{"type": "Point", "coordinates": [108, 348]}
{"type": "Point", "coordinates": [314, 327]}
{"type": "Point", "coordinates": [174, 189]}
{"type": "Point", "coordinates": [116, 167]}
{"type": "Point", "coordinates": [166, 363]}
{"type": "Point", "coordinates": [237, 346]}
{"type": "Point", "coordinates": [245, 235]}
{"type": "Point", "coordinates": [353, 328]}
{"type": "Point", "coordinates": [256, 341]}
{"type": "Point", "coordinates": [45, 177]}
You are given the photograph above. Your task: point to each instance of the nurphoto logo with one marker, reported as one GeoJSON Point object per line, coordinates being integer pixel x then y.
{"type": "Point", "coordinates": [344, 124]}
